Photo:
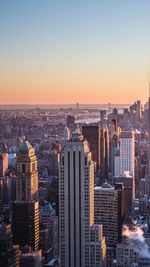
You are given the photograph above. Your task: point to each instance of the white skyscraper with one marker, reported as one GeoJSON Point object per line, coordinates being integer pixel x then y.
{"type": "Point", "coordinates": [76, 202]}
{"type": "Point", "coordinates": [127, 152]}
{"type": "Point", "coordinates": [125, 162]}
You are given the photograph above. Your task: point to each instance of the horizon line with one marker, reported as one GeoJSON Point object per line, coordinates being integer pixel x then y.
{"type": "Point", "coordinates": [66, 104]}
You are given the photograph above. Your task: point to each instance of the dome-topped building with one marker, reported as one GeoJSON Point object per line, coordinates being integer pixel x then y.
{"type": "Point", "coordinates": [25, 210]}
{"type": "Point", "coordinates": [27, 178]}
{"type": "Point", "coordinates": [25, 147]}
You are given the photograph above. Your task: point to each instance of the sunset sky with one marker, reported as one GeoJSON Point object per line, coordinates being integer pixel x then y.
{"type": "Point", "coordinates": [86, 51]}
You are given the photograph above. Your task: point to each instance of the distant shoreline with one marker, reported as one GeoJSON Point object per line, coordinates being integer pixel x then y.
{"type": "Point", "coordinates": [63, 106]}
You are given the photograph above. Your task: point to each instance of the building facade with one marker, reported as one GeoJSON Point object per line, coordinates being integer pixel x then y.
{"type": "Point", "coordinates": [92, 134]}
{"type": "Point", "coordinates": [129, 188]}
{"type": "Point", "coordinates": [109, 211]}
{"type": "Point", "coordinates": [127, 256]}
{"type": "Point", "coordinates": [49, 219]}
{"type": "Point", "coordinates": [25, 219]}
{"type": "Point", "coordinates": [127, 153]}
{"type": "Point", "coordinates": [3, 163]}
{"type": "Point", "coordinates": [76, 202]}
{"type": "Point", "coordinates": [27, 174]}
{"type": "Point", "coordinates": [25, 225]}
{"type": "Point", "coordinates": [104, 151]}
{"type": "Point", "coordinates": [98, 246]}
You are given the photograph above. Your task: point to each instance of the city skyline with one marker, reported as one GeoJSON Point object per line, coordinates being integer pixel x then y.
{"type": "Point", "coordinates": [55, 52]}
{"type": "Point", "coordinates": [69, 191]}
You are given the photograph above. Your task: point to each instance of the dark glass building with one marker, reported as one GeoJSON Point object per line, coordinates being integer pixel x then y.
{"type": "Point", "coordinates": [92, 134]}
{"type": "Point", "coordinates": [25, 225]}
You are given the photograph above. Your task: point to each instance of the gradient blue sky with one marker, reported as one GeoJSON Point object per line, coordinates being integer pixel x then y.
{"type": "Point", "coordinates": [74, 51]}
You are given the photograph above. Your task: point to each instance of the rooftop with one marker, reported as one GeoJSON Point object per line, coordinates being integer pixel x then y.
{"type": "Point", "coordinates": [105, 186]}
{"type": "Point", "coordinates": [47, 208]}
{"type": "Point", "coordinates": [25, 147]}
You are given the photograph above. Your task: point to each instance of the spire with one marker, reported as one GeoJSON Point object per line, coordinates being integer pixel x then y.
{"type": "Point", "coordinates": [78, 131]}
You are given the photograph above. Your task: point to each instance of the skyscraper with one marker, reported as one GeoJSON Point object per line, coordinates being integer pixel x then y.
{"type": "Point", "coordinates": [25, 224]}
{"type": "Point", "coordinates": [53, 163]}
{"type": "Point", "coordinates": [104, 151]}
{"type": "Point", "coordinates": [129, 187]}
{"type": "Point", "coordinates": [70, 121]}
{"type": "Point", "coordinates": [113, 145]}
{"type": "Point", "coordinates": [102, 117]}
{"type": "Point", "coordinates": [6, 189]}
{"type": "Point", "coordinates": [138, 109]}
{"type": "Point", "coordinates": [109, 211]}
{"type": "Point", "coordinates": [3, 163]}
{"type": "Point", "coordinates": [92, 134]}
{"type": "Point", "coordinates": [27, 174]}
{"type": "Point", "coordinates": [127, 152]}
{"type": "Point", "coordinates": [49, 219]}
{"type": "Point", "coordinates": [76, 202]}
{"type": "Point", "coordinates": [126, 159]}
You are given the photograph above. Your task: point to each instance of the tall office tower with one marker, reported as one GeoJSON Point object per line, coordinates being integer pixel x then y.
{"type": "Point", "coordinates": [54, 194]}
{"type": "Point", "coordinates": [25, 225]}
{"type": "Point", "coordinates": [113, 145]}
{"type": "Point", "coordinates": [138, 109]}
{"type": "Point", "coordinates": [127, 152]}
{"type": "Point", "coordinates": [102, 117]}
{"type": "Point", "coordinates": [3, 164]}
{"type": "Point", "coordinates": [92, 134]}
{"type": "Point", "coordinates": [114, 128]}
{"type": "Point", "coordinates": [109, 211]}
{"type": "Point", "coordinates": [98, 246]}
{"type": "Point", "coordinates": [53, 163]}
{"type": "Point", "coordinates": [76, 202]}
{"type": "Point", "coordinates": [49, 219]}
{"type": "Point", "coordinates": [6, 189]}
{"type": "Point", "coordinates": [104, 151]}
{"type": "Point", "coordinates": [129, 187]}
{"type": "Point", "coordinates": [70, 121]}
{"type": "Point", "coordinates": [27, 174]}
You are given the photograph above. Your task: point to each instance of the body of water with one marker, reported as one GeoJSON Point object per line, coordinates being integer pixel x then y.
{"type": "Point", "coordinates": [80, 106]}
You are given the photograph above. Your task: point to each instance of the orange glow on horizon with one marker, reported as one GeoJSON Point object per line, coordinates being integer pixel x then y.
{"type": "Point", "coordinates": [69, 89]}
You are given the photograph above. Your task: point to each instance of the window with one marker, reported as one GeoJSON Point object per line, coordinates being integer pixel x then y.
{"type": "Point", "coordinates": [33, 166]}
{"type": "Point", "coordinates": [23, 168]}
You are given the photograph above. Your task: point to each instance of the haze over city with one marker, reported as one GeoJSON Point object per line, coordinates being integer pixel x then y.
{"type": "Point", "coordinates": [63, 52]}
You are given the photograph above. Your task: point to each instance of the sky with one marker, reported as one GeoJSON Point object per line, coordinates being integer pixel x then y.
{"type": "Point", "coordinates": [64, 52]}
